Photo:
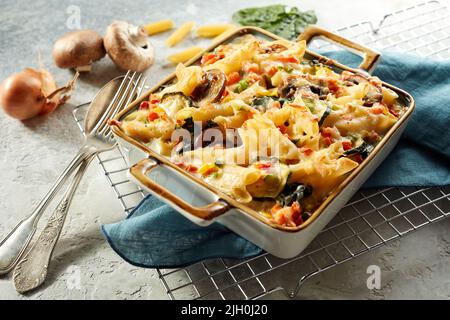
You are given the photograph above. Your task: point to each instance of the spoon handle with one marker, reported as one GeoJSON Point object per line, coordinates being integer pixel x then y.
{"type": "Point", "coordinates": [14, 244]}
{"type": "Point", "coordinates": [31, 270]}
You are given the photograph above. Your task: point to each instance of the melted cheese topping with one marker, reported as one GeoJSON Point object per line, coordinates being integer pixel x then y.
{"type": "Point", "coordinates": [301, 127]}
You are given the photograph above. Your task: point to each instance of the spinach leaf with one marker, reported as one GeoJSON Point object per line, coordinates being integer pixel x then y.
{"type": "Point", "coordinates": [262, 103]}
{"type": "Point", "coordinates": [324, 116]}
{"type": "Point", "coordinates": [293, 193]}
{"type": "Point", "coordinates": [364, 149]}
{"type": "Point", "coordinates": [190, 126]}
{"type": "Point", "coordinates": [278, 19]}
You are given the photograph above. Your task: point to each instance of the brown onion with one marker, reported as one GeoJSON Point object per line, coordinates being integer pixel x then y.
{"type": "Point", "coordinates": [32, 92]}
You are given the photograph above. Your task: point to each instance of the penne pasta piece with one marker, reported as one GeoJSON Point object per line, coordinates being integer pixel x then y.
{"type": "Point", "coordinates": [229, 30]}
{"type": "Point", "coordinates": [178, 35]}
{"type": "Point", "coordinates": [213, 30]}
{"type": "Point", "coordinates": [159, 26]}
{"type": "Point", "coordinates": [189, 78]}
{"type": "Point", "coordinates": [184, 55]}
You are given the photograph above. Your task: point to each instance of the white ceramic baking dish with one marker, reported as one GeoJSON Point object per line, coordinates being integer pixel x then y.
{"type": "Point", "coordinates": [203, 204]}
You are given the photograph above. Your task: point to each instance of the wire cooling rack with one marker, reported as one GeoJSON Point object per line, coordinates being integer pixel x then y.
{"type": "Point", "coordinates": [371, 219]}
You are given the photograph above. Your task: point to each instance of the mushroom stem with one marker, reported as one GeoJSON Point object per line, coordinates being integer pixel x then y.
{"type": "Point", "coordinates": [138, 36]}
{"type": "Point", "coordinates": [86, 68]}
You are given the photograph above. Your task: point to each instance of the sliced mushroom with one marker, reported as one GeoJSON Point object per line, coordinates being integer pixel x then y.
{"type": "Point", "coordinates": [375, 93]}
{"type": "Point", "coordinates": [288, 87]}
{"type": "Point", "coordinates": [275, 48]}
{"type": "Point", "coordinates": [318, 87]}
{"type": "Point", "coordinates": [78, 49]}
{"type": "Point", "coordinates": [127, 45]}
{"type": "Point", "coordinates": [211, 87]}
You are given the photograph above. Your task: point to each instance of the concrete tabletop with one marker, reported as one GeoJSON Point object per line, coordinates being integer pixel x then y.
{"type": "Point", "coordinates": [33, 153]}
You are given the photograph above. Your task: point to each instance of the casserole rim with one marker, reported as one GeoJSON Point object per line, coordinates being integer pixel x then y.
{"type": "Point", "coordinates": [409, 105]}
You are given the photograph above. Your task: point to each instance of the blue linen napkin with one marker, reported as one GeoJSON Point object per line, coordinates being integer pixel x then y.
{"type": "Point", "coordinates": [156, 236]}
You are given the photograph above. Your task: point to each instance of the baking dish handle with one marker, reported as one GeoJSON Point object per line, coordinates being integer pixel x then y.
{"type": "Point", "coordinates": [370, 56]}
{"type": "Point", "coordinates": [141, 170]}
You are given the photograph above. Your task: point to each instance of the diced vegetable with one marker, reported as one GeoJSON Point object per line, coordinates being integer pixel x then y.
{"type": "Point", "coordinates": [241, 86]}
{"type": "Point", "coordinates": [307, 151]}
{"type": "Point", "coordinates": [347, 145]}
{"type": "Point", "coordinates": [233, 78]}
{"type": "Point", "coordinates": [251, 67]}
{"type": "Point", "coordinates": [144, 105]}
{"type": "Point", "coordinates": [209, 58]}
{"type": "Point", "coordinates": [191, 168]}
{"type": "Point", "coordinates": [288, 59]}
{"type": "Point", "coordinates": [152, 116]}
{"type": "Point", "coordinates": [263, 165]}
{"type": "Point", "coordinates": [207, 169]}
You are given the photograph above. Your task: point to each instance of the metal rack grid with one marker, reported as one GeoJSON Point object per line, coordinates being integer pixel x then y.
{"type": "Point", "coordinates": [371, 219]}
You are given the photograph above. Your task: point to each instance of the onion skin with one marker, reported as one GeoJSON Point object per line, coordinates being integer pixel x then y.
{"type": "Point", "coordinates": [32, 92]}
{"type": "Point", "coordinates": [21, 96]}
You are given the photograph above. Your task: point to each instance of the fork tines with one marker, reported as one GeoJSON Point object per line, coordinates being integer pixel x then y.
{"type": "Point", "coordinates": [131, 87]}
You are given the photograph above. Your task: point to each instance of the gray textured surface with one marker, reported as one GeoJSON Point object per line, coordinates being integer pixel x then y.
{"type": "Point", "coordinates": [33, 153]}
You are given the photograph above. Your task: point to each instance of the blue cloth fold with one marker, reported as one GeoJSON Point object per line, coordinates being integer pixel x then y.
{"type": "Point", "coordinates": [155, 235]}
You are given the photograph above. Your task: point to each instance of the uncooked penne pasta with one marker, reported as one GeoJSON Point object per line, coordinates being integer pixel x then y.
{"type": "Point", "coordinates": [227, 31]}
{"type": "Point", "coordinates": [184, 55]}
{"type": "Point", "coordinates": [178, 35]}
{"type": "Point", "coordinates": [159, 26]}
{"type": "Point", "coordinates": [213, 30]}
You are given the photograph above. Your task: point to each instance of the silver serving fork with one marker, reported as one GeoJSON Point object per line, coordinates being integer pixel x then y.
{"type": "Point", "coordinates": [98, 138]}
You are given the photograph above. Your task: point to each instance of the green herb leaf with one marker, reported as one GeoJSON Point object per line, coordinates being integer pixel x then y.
{"type": "Point", "coordinates": [278, 19]}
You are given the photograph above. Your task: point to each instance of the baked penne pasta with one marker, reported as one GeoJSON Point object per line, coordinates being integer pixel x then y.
{"type": "Point", "coordinates": [264, 125]}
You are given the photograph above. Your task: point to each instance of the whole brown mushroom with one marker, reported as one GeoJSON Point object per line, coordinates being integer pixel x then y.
{"type": "Point", "coordinates": [127, 45]}
{"type": "Point", "coordinates": [78, 50]}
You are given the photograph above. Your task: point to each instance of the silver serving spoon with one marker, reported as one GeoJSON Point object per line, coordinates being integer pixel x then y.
{"type": "Point", "coordinates": [108, 101]}
{"type": "Point", "coordinates": [31, 270]}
